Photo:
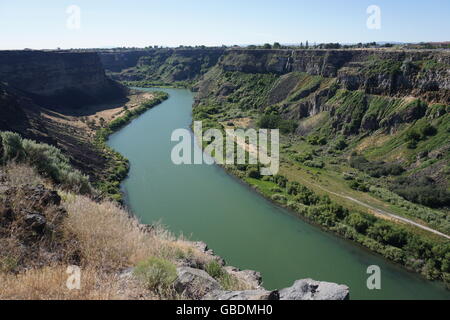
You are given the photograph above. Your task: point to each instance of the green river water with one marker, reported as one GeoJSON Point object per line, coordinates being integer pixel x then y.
{"type": "Point", "coordinates": [205, 203]}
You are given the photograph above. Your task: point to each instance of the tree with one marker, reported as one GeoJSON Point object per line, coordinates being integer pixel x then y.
{"type": "Point", "coordinates": [277, 45]}
{"type": "Point", "coordinates": [267, 46]}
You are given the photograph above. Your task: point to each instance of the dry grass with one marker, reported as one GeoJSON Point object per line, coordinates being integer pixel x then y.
{"type": "Point", "coordinates": [49, 283]}
{"type": "Point", "coordinates": [107, 242]}
{"type": "Point", "coordinates": [108, 238]}
{"type": "Point", "coordinates": [99, 237]}
{"type": "Point", "coordinates": [20, 174]}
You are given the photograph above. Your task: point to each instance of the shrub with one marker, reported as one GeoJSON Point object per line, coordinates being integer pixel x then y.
{"type": "Point", "coordinates": [46, 159]}
{"type": "Point", "coordinates": [314, 164]}
{"type": "Point", "coordinates": [156, 273]}
{"type": "Point", "coordinates": [12, 147]}
{"type": "Point", "coordinates": [428, 130]}
{"type": "Point", "coordinates": [279, 198]}
{"type": "Point", "coordinates": [412, 144]}
{"type": "Point", "coordinates": [274, 121]}
{"type": "Point", "coordinates": [214, 269]}
{"type": "Point", "coordinates": [423, 191]}
{"type": "Point", "coordinates": [358, 222]}
{"type": "Point", "coordinates": [413, 136]}
{"type": "Point", "coordinates": [356, 185]}
{"type": "Point", "coordinates": [228, 282]}
{"type": "Point", "coordinates": [375, 169]}
{"type": "Point", "coordinates": [386, 234]}
{"type": "Point", "coordinates": [254, 173]}
{"type": "Point", "coordinates": [280, 180]}
{"type": "Point", "coordinates": [292, 188]}
{"type": "Point", "coordinates": [317, 140]}
{"type": "Point", "coordinates": [340, 144]}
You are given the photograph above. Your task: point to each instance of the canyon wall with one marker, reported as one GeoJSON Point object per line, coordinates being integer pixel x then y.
{"type": "Point", "coordinates": [397, 73]}
{"type": "Point", "coordinates": [163, 64]}
{"type": "Point", "coordinates": [424, 74]}
{"type": "Point", "coordinates": [59, 78]}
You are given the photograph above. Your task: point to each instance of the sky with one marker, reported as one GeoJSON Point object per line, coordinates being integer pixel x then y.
{"type": "Point", "coordinates": [50, 24]}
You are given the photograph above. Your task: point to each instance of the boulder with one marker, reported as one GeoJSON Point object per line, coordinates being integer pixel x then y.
{"type": "Point", "coordinates": [194, 283]}
{"type": "Point", "coordinates": [242, 295]}
{"type": "Point", "coordinates": [308, 289]}
{"type": "Point", "coordinates": [250, 277]}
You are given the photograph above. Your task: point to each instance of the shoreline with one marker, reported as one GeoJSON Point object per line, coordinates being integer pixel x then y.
{"type": "Point", "coordinates": [322, 228]}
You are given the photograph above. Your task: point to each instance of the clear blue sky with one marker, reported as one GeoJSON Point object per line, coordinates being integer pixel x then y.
{"type": "Point", "coordinates": [104, 23]}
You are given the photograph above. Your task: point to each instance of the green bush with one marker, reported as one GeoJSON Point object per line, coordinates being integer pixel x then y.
{"type": "Point", "coordinates": [424, 191]}
{"type": "Point", "coordinates": [12, 147]}
{"type": "Point", "coordinates": [317, 140]}
{"type": "Point", "coordinates": [413, 135]}
{"type": "Point", "coordinates": [254, 173]}
{"type": "Point", "coordinates": [340, 144]}
{"type": "Point", "coordinates": [357, 221]}
{"type": "Point", "coordinates": [314, 164]}
{"type": "Point", "coordinates": [274, 121]}
{"type": "Point", "coordinates": [214, 269]}
{"type": "Point", "coordinates": [375, 169]}
{"type": "Point", "coordinates": [280, 180]}
{"type": "Point", "coordinates": [48, 161]}
{"type": "Point", "coordinates": [156, 273]}
{"type": "Point", "coordinates": [279, 198]}
{"type": "Point", "coordinates": [428, 130]}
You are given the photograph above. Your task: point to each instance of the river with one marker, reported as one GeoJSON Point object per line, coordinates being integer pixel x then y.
{"type": "Point", "coordinates": [204, 203]}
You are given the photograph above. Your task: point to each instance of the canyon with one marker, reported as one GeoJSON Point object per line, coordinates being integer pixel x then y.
{"type": "Point", "coordinates": [333, 105]}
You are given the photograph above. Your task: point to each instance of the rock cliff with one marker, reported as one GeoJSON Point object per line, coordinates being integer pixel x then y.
{"type": "Point", "coordinates": [164, 64]}
{"type": "Point", "coordinates": [392, 73]}
{"type": "Point", "coordinates": [59, 78]}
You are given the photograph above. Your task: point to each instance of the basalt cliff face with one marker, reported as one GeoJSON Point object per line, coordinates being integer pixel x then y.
{"type": "Point", "coordinates": [391, 73]}
{"type": "Point", "coordinates": [163, 65]}
{"type": "Point", "coordinates": [396, 73]}
{"type": "Point", "coordinates": [59, 78]}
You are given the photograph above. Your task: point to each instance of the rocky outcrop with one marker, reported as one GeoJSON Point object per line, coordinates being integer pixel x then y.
{"type": "Point", "coordinates": [194, 283]}
{"type": "Point", "coordinates": [309, 289]}
{"type": "Point", "coordinates": [306, 289]}
{"type": "Point", "coordinates": [242, 295]}
{"type": "Point", "coordinates": [59, 78]}
{"type": "Point", "coordinates": [252, 278]}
